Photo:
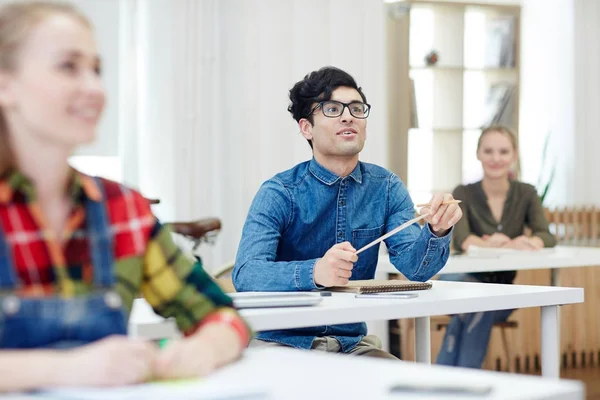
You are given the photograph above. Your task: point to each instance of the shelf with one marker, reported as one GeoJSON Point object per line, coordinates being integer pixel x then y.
{"type": "Point", "coordinates": [492, 69]}
{"type": "Point", "coordinates": [452, 98]}
{"type": "Point", "coordinates": [437, 68]}
{"type": "Point", "coordinates": [488, 8]}
{"type": "Point", "coordinates": [441, 129]}
{"type": "Point", "coordinates": [463, 69]}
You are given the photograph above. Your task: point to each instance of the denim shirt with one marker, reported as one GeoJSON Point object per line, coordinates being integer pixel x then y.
{"type": "Point", "coordinates": [299, 214]}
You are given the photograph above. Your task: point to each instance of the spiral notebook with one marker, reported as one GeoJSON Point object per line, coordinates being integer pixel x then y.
{"type": "Point", "coordinates": [380, 286]}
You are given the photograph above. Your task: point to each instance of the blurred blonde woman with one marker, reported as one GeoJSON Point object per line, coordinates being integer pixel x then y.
{"type": "Point", "coordinates": [496, 211]}
{"type": "Point", "coordinates": [75, 250]}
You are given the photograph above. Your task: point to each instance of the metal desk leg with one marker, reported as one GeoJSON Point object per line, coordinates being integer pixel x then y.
{"type": "Point", "coordinates": [550, 342]}
{"type": "Point", "coordinates": [555, 277]}
{"type": "Point", "coordinates": [423, 340]}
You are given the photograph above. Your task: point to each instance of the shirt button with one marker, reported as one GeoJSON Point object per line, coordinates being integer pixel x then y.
{"type": "Point", "coordinates": [341, 202]}
{"type": "Point", "coordinates": [11, 305]}
{"type": "Point", "coordinates": [340, 234]}
{"type": "Point", "coordinates": [113, 300]}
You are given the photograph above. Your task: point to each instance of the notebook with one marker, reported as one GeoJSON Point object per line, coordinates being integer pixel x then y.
{"type": "Point", "coordinates": [274, 299]}
{"type": "Point", "coordinates": [380, 286]}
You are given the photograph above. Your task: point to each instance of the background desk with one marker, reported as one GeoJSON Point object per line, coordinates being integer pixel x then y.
{"type": "Point", "coordinates": [580, 327]}
{"type": "Point", "coordinates": [561, 257]}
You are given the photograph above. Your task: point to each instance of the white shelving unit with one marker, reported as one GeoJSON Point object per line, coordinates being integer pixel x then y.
{"type": "Point", "coordinates": [450, 97]}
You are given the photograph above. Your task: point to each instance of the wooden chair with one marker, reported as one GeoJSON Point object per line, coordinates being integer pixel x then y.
{"type": "Point", "coordinates": [202, 230]}
{"type": "Point", "coordinates": [205, 230]}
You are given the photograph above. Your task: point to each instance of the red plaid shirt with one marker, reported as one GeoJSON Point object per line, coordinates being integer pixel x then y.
{"type": "Point", "coordinates": [146, 258]}
{"type": "Point", "coordinates": [42, 263]}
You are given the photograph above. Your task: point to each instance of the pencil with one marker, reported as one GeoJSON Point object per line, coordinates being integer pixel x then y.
{"type": "Point", "coordinates": [447, 202]}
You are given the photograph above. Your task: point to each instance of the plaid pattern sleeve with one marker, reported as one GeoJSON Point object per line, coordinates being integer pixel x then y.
{"type": "Point", "coordinates": [145, 257]}
{"type": "Point", "coordinates": [175, 287]}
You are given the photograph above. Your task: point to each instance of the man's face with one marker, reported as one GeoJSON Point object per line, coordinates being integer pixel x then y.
{"type": "Point", "coordinates": [342, 136]}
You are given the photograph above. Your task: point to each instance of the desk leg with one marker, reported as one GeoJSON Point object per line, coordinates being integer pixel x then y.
{"type": "Point", "coordinates": [394, 334]}
{"type": "Point", "coordinates": [423, 340]}
{"type": "Point", "coordinates": [555, 277]}
{"type": "Point", "coordinates": [550, 342]}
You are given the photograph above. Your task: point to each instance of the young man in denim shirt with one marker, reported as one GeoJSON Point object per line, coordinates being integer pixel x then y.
{"type": "Point", "coordinates": [305, 224]}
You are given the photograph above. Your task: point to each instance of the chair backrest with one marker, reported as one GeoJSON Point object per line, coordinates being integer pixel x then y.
{"type": "Point", "coordinates": [196, 229]}
{"type": "Point", "coordinates": [575, 226]}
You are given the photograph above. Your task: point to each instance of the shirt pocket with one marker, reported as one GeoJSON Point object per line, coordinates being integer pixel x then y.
{"type": "Point", "coordinates": [364, 268]}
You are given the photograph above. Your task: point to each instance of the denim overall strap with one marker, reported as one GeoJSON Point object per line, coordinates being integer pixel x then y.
{"type": "Point", "coordinates": [8, 277]}
{"type": "Point", "coordinates": [100, 240]}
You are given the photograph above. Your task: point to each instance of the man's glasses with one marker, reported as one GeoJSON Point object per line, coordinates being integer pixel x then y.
{"type": "Point", "coordinates": [333, 109]}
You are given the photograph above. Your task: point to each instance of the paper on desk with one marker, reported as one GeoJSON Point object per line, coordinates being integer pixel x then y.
{"type": "Point", "coordinates": [178, 389]}
{"type": "Point", "coordinates": [489, 252]}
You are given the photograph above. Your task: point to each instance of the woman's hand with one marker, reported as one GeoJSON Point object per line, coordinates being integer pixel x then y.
{"type": "Point", "coordinates": [525, 243]}
{"type": "Point", "coordinates": [211, 347]}
{"type": "Point", "coordinates": [112, 361]}
{"type": "Point", "coordinates": [496, 240]}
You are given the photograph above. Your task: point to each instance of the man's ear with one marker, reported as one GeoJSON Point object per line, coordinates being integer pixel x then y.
{"type": "Point", "coordinates": [6, 93]}
{"type": "Point", "coordinates": [306, 128]}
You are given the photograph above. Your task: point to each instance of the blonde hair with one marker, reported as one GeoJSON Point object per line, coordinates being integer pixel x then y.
{"type": "Point", "coordinates": [17, 20]}
{"type": "Point", "coordinates": [500, 129]}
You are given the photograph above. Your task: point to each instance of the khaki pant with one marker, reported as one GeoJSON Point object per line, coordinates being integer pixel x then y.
{"type": "Point", "coordinates": [369, 346]}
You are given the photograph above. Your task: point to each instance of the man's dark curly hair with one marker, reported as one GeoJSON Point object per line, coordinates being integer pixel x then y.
{"type": "Point", "coordinates": [318, 86]}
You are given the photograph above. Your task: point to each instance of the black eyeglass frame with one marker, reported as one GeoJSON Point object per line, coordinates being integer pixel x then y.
{"type": "Point", "coordinates": [344, 105]}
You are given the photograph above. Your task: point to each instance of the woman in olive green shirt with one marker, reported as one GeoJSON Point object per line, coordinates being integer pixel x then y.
{"type": "Point", "coordinates": [496, 211]}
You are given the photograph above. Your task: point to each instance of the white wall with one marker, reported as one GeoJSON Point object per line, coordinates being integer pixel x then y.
{"type": "Point", "coordinates": [105, 16]}
{"type": "Point", "coordinates": [585, 172]}
{"type": "Point", "coordinates": [547, 94]}
{"type": "Point", "coordinates": [213, 79]}
{"type": "Point", "coordinates": [561, 94]}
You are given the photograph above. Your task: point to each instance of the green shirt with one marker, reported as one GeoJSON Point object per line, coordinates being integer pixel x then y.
{"type": "Point", "coordinates": [522, 208]}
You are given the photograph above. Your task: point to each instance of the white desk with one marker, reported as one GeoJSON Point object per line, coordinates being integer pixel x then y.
{"type": "Point", "coordinates": [443, 298]}
{"type": "Point", "coordinates": [561, 257]}
{"type": "Point", "coordinates": [294, 374]}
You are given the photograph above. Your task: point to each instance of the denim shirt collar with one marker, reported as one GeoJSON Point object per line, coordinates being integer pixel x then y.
{"type": "Point", "coordinates": [328, 177]}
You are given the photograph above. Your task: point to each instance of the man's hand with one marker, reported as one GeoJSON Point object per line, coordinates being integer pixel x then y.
{"type": "Point", "coordinates": [335, 268]}
{"type": "Point", "coordinates": [441, 216]}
